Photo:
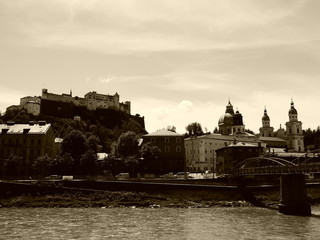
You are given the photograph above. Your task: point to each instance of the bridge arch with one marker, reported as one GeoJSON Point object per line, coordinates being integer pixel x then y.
{"type": "Point", "coordinates": [263, 166]}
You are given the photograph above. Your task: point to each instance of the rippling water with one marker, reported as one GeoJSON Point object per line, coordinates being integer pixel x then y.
{"type": "Point", "coordinates": [161, 223]}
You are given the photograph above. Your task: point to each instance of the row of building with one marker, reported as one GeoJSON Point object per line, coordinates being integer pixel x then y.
{"type": "Point", "coordinates": [217, 151]}
{"type": "Point", "coordinates": [91, 101]}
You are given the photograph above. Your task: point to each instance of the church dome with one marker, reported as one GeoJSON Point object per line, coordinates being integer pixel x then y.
{"type": "Point", "coordinates": [292, 109]}
{"type": "Point", "coordinates": [226, 119]}
{"type": "Point", "coordinates": [265, 116]}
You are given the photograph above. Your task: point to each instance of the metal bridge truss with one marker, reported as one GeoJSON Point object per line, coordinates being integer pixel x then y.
{"type": "Point", "coordinates": [307, 163]}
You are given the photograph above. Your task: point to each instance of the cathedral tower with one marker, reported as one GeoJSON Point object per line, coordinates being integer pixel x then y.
{"type": "Point", "coordinates": [231, 123]}
{"type": "Point", "coordinates": [294, 131]}
{"type": "Point", "coordinates": [266, 130]}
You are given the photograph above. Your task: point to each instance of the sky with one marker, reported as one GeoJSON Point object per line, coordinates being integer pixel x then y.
{"type": "Point", "coordinates": [178, 61]}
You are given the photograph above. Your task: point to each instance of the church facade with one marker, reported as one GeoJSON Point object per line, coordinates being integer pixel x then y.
{"type": "Point", "coordinates": [201, 151]}
{"type": "Point", "coordinates": [292, 136]}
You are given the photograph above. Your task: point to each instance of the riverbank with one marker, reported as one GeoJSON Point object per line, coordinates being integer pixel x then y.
{"type": "Point", "coordinates": [111, 200]}
{"type": "Point", "coordinates": [53, 195]}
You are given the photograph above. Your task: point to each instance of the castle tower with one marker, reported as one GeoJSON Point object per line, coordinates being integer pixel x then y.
{"type": "Point", "coordinates": [266, 130]}
{"type": "Point", "coordinates": [294, 131]}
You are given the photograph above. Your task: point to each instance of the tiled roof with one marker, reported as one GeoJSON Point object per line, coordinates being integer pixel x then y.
{"type": "Point", "coordinates": [163, 132]}
{"type": "Point", "coordinates": [24, 128]}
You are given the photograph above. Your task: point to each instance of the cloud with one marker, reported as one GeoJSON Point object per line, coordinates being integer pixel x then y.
{"type": "Point", "coordinates": [105, 79]}
{"type": "Point", "coordinates": [185, 106]}
{"type": "Point", "coordinates": [148, 26]}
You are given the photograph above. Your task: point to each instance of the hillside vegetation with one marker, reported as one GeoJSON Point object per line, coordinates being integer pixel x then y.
{"type": "Point", "coordinates": [107, 124]}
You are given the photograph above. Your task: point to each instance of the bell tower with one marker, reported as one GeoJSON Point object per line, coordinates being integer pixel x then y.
{"type": "Point", "coordinates": [266, 130]}
{"type": "Point", "coordinates": [294, 131]}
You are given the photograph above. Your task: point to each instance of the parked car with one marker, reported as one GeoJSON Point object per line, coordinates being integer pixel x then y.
{"type": "Point", "coordinates": [182, 175]}
{"type": "Point", "coordinates": [54, 177]}
{"type": "Point", "coordinates": [168, 175]}
{"type": "Point", "coordinates": [223, 176]}
{"type": "Point", "coordinates": [122, 176]}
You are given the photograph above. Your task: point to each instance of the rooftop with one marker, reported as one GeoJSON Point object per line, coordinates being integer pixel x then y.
{"type": "Point", "coordinates": [31, 128]}
{"type": "Point", "coordinates": [239, 137]}
{"type": "Point", "coordinates": [271, 139]}
{"type": "Point", "coordinates": [163, 132]}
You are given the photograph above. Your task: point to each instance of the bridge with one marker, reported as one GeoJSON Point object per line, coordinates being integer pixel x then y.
{"type": "Point", "coordinates": [293, 194]}
{"type": "Point", "coordinates": [307, 163]}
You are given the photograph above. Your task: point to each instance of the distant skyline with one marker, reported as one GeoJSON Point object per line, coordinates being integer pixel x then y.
{"type": "Point", "coordinates": [176, 61]}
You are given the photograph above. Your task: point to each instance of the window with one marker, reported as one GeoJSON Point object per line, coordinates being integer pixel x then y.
{"type": "Point", "coordinates": [178, 140]}
{"type": "Point", "coordinates": [178, 149]}
{"type": "Point", "coordinates": [166, 140]}
{"type": "Point", "coordinates": [153, 140]}
{"type": "Point", "coordinates": [166, 149]}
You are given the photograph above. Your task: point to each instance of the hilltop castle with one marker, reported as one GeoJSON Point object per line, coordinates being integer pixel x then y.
{"type": "Point", "coordinates": [91, 101]}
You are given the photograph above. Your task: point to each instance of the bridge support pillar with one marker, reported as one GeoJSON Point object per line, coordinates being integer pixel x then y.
{"type": "Point", "coordinates": [293, 195]}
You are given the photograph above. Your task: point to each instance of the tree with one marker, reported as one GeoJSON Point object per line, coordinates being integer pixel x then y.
{"type": "Point", "coordinates": [93, 143]}
{"type": "Point", "coordinates": [88, 162]}
{"type": "Point", "coordinates": [62, 165]}
{"type": "Point", "coordinates": [111, 165]}
{"type": "Point", "coordinates": [215, 130]}
{"type": "Point", "coordinates": [171, 128]}
{"type": "Point", "coordinates": [75, 143]}
{"type": "Point", "coordinates": [150, 154]}
{"type": "Point", "coordinates": [194, 129]}
{"type": "Point", "coordinates": [131, 162]}
{"type": "Point", "coordinates": [149, 151]}
{"type": "Point", "coordinates": [11, 165]}
{"type": "Point", "coordinates": [42, 165]}
{"type": "Point", "coordinates": [127, 144]}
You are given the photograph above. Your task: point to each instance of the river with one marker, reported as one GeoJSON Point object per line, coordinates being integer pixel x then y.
{"type": "Point", "coordinates": [156, 223]}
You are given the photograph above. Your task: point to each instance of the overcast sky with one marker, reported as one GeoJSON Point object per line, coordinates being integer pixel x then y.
{"type": "Point", "coordinates": [176, 61]}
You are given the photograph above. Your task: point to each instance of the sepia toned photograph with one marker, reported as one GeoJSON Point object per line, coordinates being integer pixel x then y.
{"type": "Point", "coordinates": [159, 119]}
